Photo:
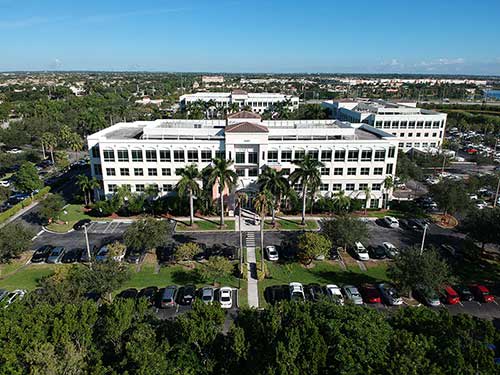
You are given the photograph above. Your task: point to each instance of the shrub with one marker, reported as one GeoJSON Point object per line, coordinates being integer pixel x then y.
{"type": "Point", "coordinates": [186, 251]}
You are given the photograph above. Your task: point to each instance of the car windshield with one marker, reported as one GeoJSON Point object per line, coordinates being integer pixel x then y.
{"type": "Point", "coordinates": [225, 299]}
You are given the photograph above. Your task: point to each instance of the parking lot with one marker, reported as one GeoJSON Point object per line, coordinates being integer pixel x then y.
{"type": "Point", "coordinates": [107, 227]}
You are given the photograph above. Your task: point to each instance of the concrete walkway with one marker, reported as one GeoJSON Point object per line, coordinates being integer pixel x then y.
{"type": "Point", "coordinates": [253, 289]}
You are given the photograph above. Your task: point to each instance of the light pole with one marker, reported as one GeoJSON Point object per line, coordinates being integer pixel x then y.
{"type": "Point", "coordinates": [88, 245]}
{"type": "Point", "coordinates": [498, 191]}
{"type": "Point", "coordinates": [423, 239]}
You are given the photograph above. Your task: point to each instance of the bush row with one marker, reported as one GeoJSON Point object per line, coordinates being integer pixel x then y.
{"type": "Point", "coordinates": [26, 202]}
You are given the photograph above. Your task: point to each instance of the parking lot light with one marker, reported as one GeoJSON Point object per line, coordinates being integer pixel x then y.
{"type": "Point", "coordinates": [88, 245]}
{"type": "Point", "coordinates": [423, 238]}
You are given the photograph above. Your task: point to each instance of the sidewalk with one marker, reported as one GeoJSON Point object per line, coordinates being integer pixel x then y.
{"type": "Point", "coordinates": [19, 213]}
{"type": "Point", "coordinates": [252, 284]}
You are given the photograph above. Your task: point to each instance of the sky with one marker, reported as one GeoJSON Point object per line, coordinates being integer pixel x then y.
{"type": "Point", "coordinates": [292, 36]}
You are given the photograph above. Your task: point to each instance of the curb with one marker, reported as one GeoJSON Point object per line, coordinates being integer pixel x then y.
{"type": "Point", "coordinates": [53, 232]}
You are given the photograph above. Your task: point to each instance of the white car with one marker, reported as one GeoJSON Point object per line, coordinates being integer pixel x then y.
{"type": "Point", "coordinates": [361, 251]}
{"type": "Point", "coordinates": [13, 296]}
{"type": "Point", "coordinates": [272, 253]}
{"type": "Point", "coordinates": [297, 292]}
{"type": "Point", "coordinates": [226, 297]}
{"type": "Point", "coordinates": [391, 222]}
{"type": "Point", "coordinates": [334, 293]}
{"type": "Point", "coordinates": [5, 183]}
{"type": "Point", "coordinates": [390, 250]}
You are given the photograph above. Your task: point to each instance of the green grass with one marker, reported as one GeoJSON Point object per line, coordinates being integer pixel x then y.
{"type": "Point", "coordinates": [74, 213]}
{"type": "Point", "coordinates": [204, 225]}
{"type": "Point", "coordinates": [286, 224]}
{"type": "Point", "coordinates": [7, 176]}
{"type": "Point", "coordinates": [28, 277]}
{"type": "Point", "coordinates": [12, 266]}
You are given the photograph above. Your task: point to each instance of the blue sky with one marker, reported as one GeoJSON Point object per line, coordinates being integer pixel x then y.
{"type": "Point", "coordinates": [405, 36]}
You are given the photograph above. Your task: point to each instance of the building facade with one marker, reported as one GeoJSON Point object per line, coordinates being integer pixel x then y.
{"type": "Point", "coordinates": [357, 158]}
{"type": "Point", "coordinates": [415, 128]}
{"type": "Point", "coordinates": [258, 102]}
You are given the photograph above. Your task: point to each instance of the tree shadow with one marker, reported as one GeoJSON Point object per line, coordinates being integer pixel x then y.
{"type": "Point", "coordinates": [183, 238]}
{"type": "Point", "coordinates": [32, 218]}
{"type": "Point", "coordinates": [207, 220]}
{"type": "Point", "coordinates": [184, 277]}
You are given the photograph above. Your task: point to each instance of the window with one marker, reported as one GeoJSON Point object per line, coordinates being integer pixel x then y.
{"type": "Point", "coordinates": [152, 172]}
{"type": "Point", "coordinates": [168, 187]}
{"type": "Point", "coordinates": [272, 156]}
{"type": "Point", "coordinates": [401, 144]}
{"type": "Point", "coordinates": [325, 171]}
{"type": "Point", "coordinates": [426, 134]}
{"type": "Point", "coordinates": [410, 134]}
{"type": "Point", "coordinates": [165, 156]}
{"type": "Point", "coordinates": [326, 155]}
{"type": "Point", "coordinates": [420, 124]}
{"type": "Point", "coordinates": [428, 124]}
{"type": "Point", "coordinates": [374, 203]}
{"type": "Point", "coordinates": [387, 124]}
{"type": "Point", "coordinates": [378, 124]}
{"type": "Point", "coordinates": [139, 187]}
{"type": "Point", "coordinates": [366, 155]}
{"type": "Point", "coordinates": [403, 125]}
{"type": "Point", "coordinates": [365, 171]}
{"type": "Point", "coordinates": [138, 172]}
{"type": "Point", "coordinates": [206, 156]}
{"type": "Point", "coordinates": [433, 144]}
{"type": "Point", "coordinates": [112, 188]}
{"type": "Point", "coordinates": [419, 134]}
{"type": "Point", "coordinates": [109, 155]}
{"type": "Point", "coordinates": [240, 172]}
{"type": "Point", "coordinates": [297, 188]}
{"type": "Point", "coordinates": [339, 155]}
{"type": "Point", "coordinates": [179, 156]}
{"type": "Point", "coordinates": [95, 152]}
{"type": "Point", "coordinates": [193, 156]}
{"type": "Point", "coordinates": [313, 154]}
{"type": "Point", "coordinates": [252, 158]}
{"type": "Point", "coordinates": [388, 169]}
{"type": "Point", "coordinates": [286, 156]}
{"type": "Point", "coordinates": [240, 158]}
{"type": "Point", "coordinates": [351, 171]}
{"type": "Point", "coordinates": [395, 125]}
{"type": "Point", "coordinates": [137, 155]}
{"type": "Point", "coordinates": [127, 187]}
{"type": "Point", "coordinates": [338, 171]}
{"type": "Point", "coordinates": [253, 172]}
{"type": "Point", "coordinates": [376, 187]}
{"type": "Point", "coordinates": [435, 125]}
{"type": "Point", "coordinates": [392, 152]}
{"type": "Point", "coordinates": [124, 172]}
{"type": "Point", "coordinates": [378, 171]}
{"type": "Point", "coordinates": [425, 144]}
{"type": "Point", "coordinates": [110, 172]}
{"type": "Point", "coordinates": [97, 169]}
{"type": "Point", "coordinates": [299, 154]}
{"type": "Point", "coordinates": [417, 144]}
{"type": "Point", "coordinates": [166, 172]}
{"type": "Point", "coordinates": [323, 187]}
{"type": "Point", "coordinates": [151, 155]}
{"type": "Point", "coordinates": [379, 155]}
{"type": "Point", "coordinates": [337, 187]}
{"type": "Point", "coordinates": [349, 187]}
{"type": "Point", "coordinates": [408, 144]}
{"type": "Point", "coordinates": [353, 155]}
{"type": "Point", "coordinates": [363, 186]}
{"type": "Point", "coordinates": [178, 171]}
{"type": "Point", "coordinates": [434, 134]}
{"type": "Point", "coordinates": [123, 155]}
{"type": "Point", "coordinates": [411, 125]}
{"type": "Point", "coordinates": [220, 154]}
{"type": "Point", "coordinates": [286, 171]}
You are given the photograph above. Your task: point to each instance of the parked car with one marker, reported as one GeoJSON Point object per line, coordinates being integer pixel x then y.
{"type": "Point", "coordinates": [450, 296]}
{"type": "Point", "coordinates": [417, 224]}
{"type": "Point", "coordinates": [481, 293]}
{"type": "Point", "coordinates": [72, 256]}
{"type": "Point", "coordinates": [13, 297]}
{"type": "Point", "coordinates": [334, 254]}
{"type": "Point", "coordinates": [297, 292]}
{"type": "Point", "coordinates": [169, 296]}
{"type": "Point", "coordinates": [428, 296]}
{"type": "Point", "coordinates": [41, 254]}
{"type": "Point", "coordinates": [370, 294]}
{"type": "Point", "coordinates": [334, 293]}
{"type": "Point", "coordinates": [390, 250]}
{"type": "Point", "coordinates": [272, 253]}
{"type": "Point", "coordinates": [187, 294]}
{"type": "Point", "coordinates": [80, 224]}
{"type": "Point", "coordinates": [4, 183]}
{"type": "Point", "coordinates": [377, 252]}
{"type": "Point", "coordinates": [352, 294]}
{"type": "Point", "coordinates": [133, 256]}
{"type": "Point", "coordinates": [361, 252]}
{"type": "Point", "coordinates": [314, 292]}
{"type": "Point", "coordinates": [130, 293]}
{"type": "Point", "coordinates": [149, 294]}
{"type": "Point", "coordinates": [391, 222]}
{"type": "Point", "coordinates": [55, 255]}
{"type": "Point", "coordinates": [389, 294]}
{"type": "Point", "coordinates": [464, 293]}
{"type": "Point", "coordinates": [3, 294]}
{"type": "Point", "coordinates": [226, 297]}
{"type": "Point", "coordinates": [207, 295]}
{"type": "Point", "coordinates": [450, 250]}
{"type": "Point", "coordinates": [102, 254]}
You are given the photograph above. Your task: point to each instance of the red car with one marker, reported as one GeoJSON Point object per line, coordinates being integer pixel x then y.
{"type": "Point", "coordinates": [370, 294]}
{"type": "Point", "coordinates": [471, 151]}
{"type": "Point", "coordinates": [450, 295]}
{"type": "Point", "coordinates": [481, 293]}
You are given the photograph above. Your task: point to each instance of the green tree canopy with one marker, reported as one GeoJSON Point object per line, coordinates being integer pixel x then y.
{"type": "Point", "coordinates": [344, 230]}
{"type": "Point", "coordinates": [312, 245]}
{"type": "Point", "coordinates": [26, 178]}
{"type": "Point", "coordinates": [14, 239]}
{"type": "Point", "coordinates": [147, 234]}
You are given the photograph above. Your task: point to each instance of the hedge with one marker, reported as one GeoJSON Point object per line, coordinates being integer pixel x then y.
{"type": "Point", "coordinates": [26, 202]}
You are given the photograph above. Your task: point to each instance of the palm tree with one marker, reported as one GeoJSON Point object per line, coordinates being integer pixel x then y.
{"type": "Point", "coordinates": [74, 143]}
{"type": "Point", "coordinates": [341, 201]}
{"type": "Point", "coordinates": [275, 182]}
{"type": "Point", "coordinates": [84, 183]}
{"type": "Point", "coordinates": [93, 184]}
{"type": "Point", "coordinates": [388, 185]}
{"type": "Point", "coordinates": [220, 173]}
{"type": "Point", "coordinates": [261, 203]}
{"type": "Point", "coordinates": [308, 175]}
{"type": "Point", "coordinates": [49, 141]}
{"type": "Point", "coordinates": [234, 107]}
{"type": "Point", "coordinates": [189, 184]}
{"type": "Point", "coordinates": [368, 193]}
{"type": "Point", "coordinates": [241, 199]}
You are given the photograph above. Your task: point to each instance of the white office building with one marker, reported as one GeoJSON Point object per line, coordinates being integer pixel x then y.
{"type": "Point", "coordinates": [142, 153]}
{"type": "Point", "coordinates": [415, 128]}
{"type": "Point", "coordinates": [259, 102]}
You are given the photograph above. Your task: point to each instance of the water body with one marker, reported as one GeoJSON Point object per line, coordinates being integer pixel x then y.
{"type": "Point", "coordinates": [492, 94]}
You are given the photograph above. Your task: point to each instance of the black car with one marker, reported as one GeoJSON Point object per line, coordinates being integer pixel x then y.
{"type": "Point", "coordinates": [417, 224]}
{"type": "Point", "coordinates": [215, 251]}
{"type": "Point", "coordinates": [41, 254]}
{"type": "Point", "coordinates": [230, 252]}
{"type": "Point", "coordinates": [314, 292]}
{"type": "Point", "coordinates": [186, 294]}
{"type": "Point", "coordinates": [72, 255]}
{"type": "Point", "coordinates": [276, 293]}
{"type": "Point", "coordinates": [464, 293]}
{"type": "Point", "coordinates": [334, 254]}
{"type": "Point", "coordinates": [200, 256]}
{"type": "Point", "coordinates": [128, 293]}
{"type": "Point", "coordinates": [150, 293]}
{"type": "Point", "coordinates": [80, 224]}
{"type": "Point", "coordinates": [134, 256]}
{"type": "Point", "coordinates": [376, 252]}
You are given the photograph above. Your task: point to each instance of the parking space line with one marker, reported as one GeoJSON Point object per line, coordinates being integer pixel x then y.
{"type": "Point", "coordinates": [89, 228]}
{"type": "Point", "coordinates": [495, 302]}
{"type": "Point", "coordinates": [461, 304]}
{"type": "Point", "coordinates": [106, 229]}
{"type": "Point", "coordinates": [115, 227]}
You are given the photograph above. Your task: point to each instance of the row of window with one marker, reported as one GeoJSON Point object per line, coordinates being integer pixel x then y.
{"type": "Point", "coordinates": [343, 187]}
{"type": "Point", "coordinates": [418, 144]}
{"type": "Point", "coordinates": [181, 156]}
{"type": "Point", "coordinates": [141, 187]}
{"type": "Point", "coordinates": [327, 155]}
{"type": "Point", "coordinates": [418, 135]}
{"type": "Point", "coordinates": [409, 124]}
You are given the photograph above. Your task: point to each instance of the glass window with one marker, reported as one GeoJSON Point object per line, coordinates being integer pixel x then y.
{"type": "Point", "coordinates": [374, 203]}
{"type": "Point", "coordinates": [139, 187]}
{"type": "Point", "coordinates": [435, 125]}
{"type": "Point", "coordinates": [326, 155]}
{"type": "Point", "coordinates": [167, 187]}
{"type": "Point", "coordinates": [349, 187]}
{"type": "Point", "coordinates": [411, 125]}
{"type": "Point", "coordinates": [272, 156]}
{"type": "Point", "coordinates": [419, 134]}
{"type": "Point", "coordinates": [152, 172]}
{"type": "Point", "coordinates": [379, 155]}
{"type": "Point", "coordinates": [206, 156]}
{"type": "Point", "coordinates": [240, 158]}
{"type": "Point", "coordinates": [325, 171]}
{"type": "Point", "coordinates": [363, 186]}
{"type": "Point", "coordinates": [395, 125]}
{"type": "Point", "coordinates": [376, 187]}
{"type": "Point", "coordinates": [252, 158]}
{"type": "Point", "coordinates": [378, 171]}
{"type": "Point", "coordinates": [166, 172]}
{"type": "Point", "coordinates": [428, 124]}
{"type": "Point", "coordinates": [323, 187]}
{"type": "Point", "coordinates": [138, 172]}
{"type": "Point", "coordinates": [388, 169]}
{"type": "Point", "coordinates": [151, 155]}
{"type": "Point", "coordinates": [112, 188]}
{"type": "Point", "coordinates": [403, 125]}
{"type": "Point", "coordinates": [313, 154]}
{"type": "Point", "coordinates": [353, 155]}
{"type": "Point", "coordinates": [165, 156]}
{"type": "Point", "coordinates": [97, 169]}
{"type": "Point", "coordinates": [365, 171]}
{"type": "Point", "coordinates": [192, 156]}
{"type": "Point", "coordinates": [286, 156]}
{"type": "Point", "coordinates": [366, 155]}
{"type": "Point", "coordinates": [253, 172]}
{"type": "Point", "coordinates": [124, 172]}
{"type": "Point", "coordinates": [110, 172]}
{"type": "Point", "coordinates": [178, 171]}
{"type": "Point", "coordinates": [220, 154]}
{"type": "Point", "coordinates": [392, 152]}
{"type": "Point", "coordinates": [420, 124]}
{"type": "Point", "coordinates": [95, 152]}
{"type": "Point", "coordinates": [339, 155]}
{"type": "Point", "coordinates": [408, 144]}
{"type": "Point", "coordinates": [123, 155]}
{"type": "Point", "coordinates": [240, 172]}
{"type": "Point", "coordinates": [109, 155]}
{"type": "Point", "coordinates": [351, 171]}
{"type": "Point", "coordinates": [401, 144]}
{"type": "Point", "coordinates": [299, 154]}
{"type": "Point", "coordinates": [137, 155]}
{"type": "Point", "coordinates": [179, 156]}
{"type": "Point", "coordinates": [387, 124]}
{"type": "Point", "coordinates": [338, 171]}
{"type": "Point", "coordinates": [337, 187]}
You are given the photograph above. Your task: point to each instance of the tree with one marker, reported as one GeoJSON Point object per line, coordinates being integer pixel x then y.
{"type": "Point", "coordinates": [61, 159]}
{"type": "Point", "coordinates": [14, 239]}
{"type": "Point", "coordinates": [483, 226]}
{"type": "Point", "coordinates": [308, 175]}
{"type": "Point", "coordinates": [275, 182]}
{"type": "Point", "coordinates": [87, 185]}
{"type": "Point", "coordinates": [186, 251]}
{"type": "Point", "coordinates": [221, 174]}
{"type": "Point", "coordinates": [216, 268]}
{"type": "Point", "coordinates": [344, 230]}
{"type": "Point", "coordinates": [411, 270]}
{"type": "Point", "coordinates": [50, 207]}
{"type": "Point", "coordinates": [312, 245]}
{"type": "Point", "coordinates": [146, 234]}
{"type": "Point", "coordinates": [188, 184]}
{"type": "Point", "coordinates": [49, 143]}
{"type": "Point", "coordinates": [26, 178]}
{"type": "Point", "coordinates": [116, 249]}
{"type": "Point", "coordinates": [450, 197]}
{"type": "Point", "coordinates": [261, 203]}
{"type": "Point", "coordinates": [4, 193]}
{"type": "Point", "coordinates": [341, 202]}
{"type": "Point", "coordinates": [388, 186]}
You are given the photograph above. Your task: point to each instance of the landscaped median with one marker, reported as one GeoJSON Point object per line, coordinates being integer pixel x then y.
{"type": "Point", "coordinates": [25, 203]}
{"type": "Point", "coordinates": [202, 224]}
{"type": "Point", "coordinates": [69, 216]}
{"type": "Point", "coordinates": [291, 224]}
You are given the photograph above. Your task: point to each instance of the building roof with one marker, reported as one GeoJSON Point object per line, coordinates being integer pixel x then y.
{"type": "Point", "coordinates": [239, 92]}
{"type": "Point", "coordinates": [246, 127]}
{"type": "Point", "coordinates": [244, 114]}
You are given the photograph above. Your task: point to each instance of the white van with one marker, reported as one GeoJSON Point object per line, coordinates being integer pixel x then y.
{"type": "Point", "coordinates": [361, 251]}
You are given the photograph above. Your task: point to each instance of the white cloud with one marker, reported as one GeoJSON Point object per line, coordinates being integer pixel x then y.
{"type": "Point", "coordinates": [442, 61]}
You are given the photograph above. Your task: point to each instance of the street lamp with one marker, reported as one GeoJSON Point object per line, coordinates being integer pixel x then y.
{"type": "Point", "coordinates": [88, 245]}
{"type": "Point", "coordinates": [423, 239]}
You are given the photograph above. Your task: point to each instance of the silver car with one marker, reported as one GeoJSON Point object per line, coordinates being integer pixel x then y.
{"type": "Point", "coordinates": [207, 295]}
{"type": "Point", "coordinates": [352, 294]}
{"type": "Point", "coordinates": [56, 255]}
{"type": "Point", "coordinates": [389, 294]}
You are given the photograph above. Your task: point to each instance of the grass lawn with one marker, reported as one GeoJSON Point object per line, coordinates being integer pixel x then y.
{"type": "Point", "coordinates": [7, 268]}
{"type": "Point", "coordinates": [204, 225]}
{"type": "Point", "coordinates": [28, 277]}
{"type": "Point", "coordinates": [286, 224]}
{"type": "Point", "coordinates": [74, 213]}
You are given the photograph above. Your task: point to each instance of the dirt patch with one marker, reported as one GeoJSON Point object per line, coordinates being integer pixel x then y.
{"type": "Point", "coordinates": [445, 221]}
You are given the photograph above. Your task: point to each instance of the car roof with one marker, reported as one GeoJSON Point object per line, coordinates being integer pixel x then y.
{"type": "Point", "coordinates": [482, 288]}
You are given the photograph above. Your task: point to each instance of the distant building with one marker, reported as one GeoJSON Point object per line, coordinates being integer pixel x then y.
{"type": "Point", "coordinates": [415, 128]}
{"type": "Point", "coordinates": [147, 100]}
{"type": "Point", "coordinates": [212, 79]}
{"type": "Point", "coordinates": [259, 102]}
